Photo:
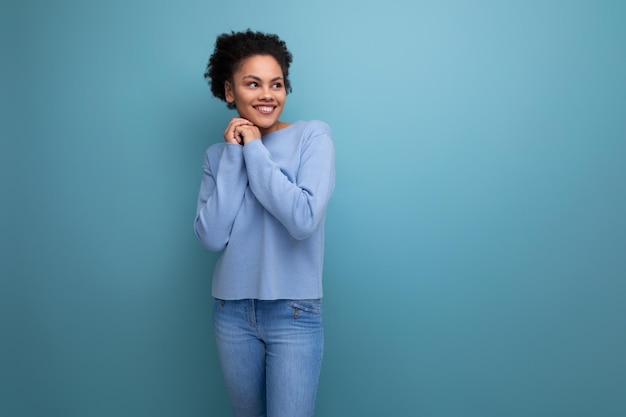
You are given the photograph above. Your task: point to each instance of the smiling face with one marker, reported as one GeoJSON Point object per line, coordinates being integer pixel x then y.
{"type": "Point", "coordinates": [258, 91]}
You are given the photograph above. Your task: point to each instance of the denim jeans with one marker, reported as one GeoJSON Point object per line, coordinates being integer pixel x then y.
{"type": "Point", "coordinates": [271, 354]}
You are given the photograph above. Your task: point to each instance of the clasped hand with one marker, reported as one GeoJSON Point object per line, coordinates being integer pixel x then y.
{"type": "Point", "coordinates": [241, 131]}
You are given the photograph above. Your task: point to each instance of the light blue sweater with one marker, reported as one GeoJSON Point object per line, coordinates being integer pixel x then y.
{"type": "Point", "coordinates": [264, 204]}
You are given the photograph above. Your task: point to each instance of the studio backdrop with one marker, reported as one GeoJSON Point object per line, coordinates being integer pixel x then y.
{"type": "Point", "coordinates": [476, 241]}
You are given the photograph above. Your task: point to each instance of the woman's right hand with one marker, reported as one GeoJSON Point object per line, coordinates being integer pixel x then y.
{"type": "Point", "coordinates": [231, 135]}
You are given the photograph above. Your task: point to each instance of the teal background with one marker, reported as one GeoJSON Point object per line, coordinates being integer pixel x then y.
{"type": "Point", "coordinates": [476, 240]}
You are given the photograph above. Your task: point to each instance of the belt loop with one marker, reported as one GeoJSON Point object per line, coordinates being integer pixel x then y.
{"type": "Point", "coordinates": [222, 303]}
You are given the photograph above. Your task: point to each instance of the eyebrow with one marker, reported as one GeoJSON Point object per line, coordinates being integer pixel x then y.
{"type": "Point", "coordinates": [254, 77]}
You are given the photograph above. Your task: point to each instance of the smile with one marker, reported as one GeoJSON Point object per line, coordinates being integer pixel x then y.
{"type": "Point", "coordinates": [265, 109]}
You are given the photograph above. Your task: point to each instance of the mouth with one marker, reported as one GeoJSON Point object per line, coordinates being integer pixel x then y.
{"type": "Point", "coordinates": [265, 109]}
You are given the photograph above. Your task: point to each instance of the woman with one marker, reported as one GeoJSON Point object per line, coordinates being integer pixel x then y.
{"type": "Point", "coordinates": [263, 203]}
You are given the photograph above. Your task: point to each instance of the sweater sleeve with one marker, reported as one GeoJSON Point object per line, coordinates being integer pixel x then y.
{"type": "Point", "coordinates": [221, 193]}
{"type": "Point", "coordinates": [300, 205]}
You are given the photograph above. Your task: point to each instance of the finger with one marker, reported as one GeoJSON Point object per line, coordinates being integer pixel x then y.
{"type": "Point", "coordinates": [232, 133]}
{"type": "Point", "coordinates": [240, 121]}
{"type": "Point", "coordinates": [242, 132]}
{"type": "Point", "coordinates": [235, 123]}
{"type": "Point", "coordinates": [232, 127]}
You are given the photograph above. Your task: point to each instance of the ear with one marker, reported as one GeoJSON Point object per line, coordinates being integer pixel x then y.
{"type": "Point", "coordinates": [229, 94]}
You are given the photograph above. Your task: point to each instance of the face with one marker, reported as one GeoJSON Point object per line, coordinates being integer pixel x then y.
{"type": "Point", "coordinates": [258, 91]}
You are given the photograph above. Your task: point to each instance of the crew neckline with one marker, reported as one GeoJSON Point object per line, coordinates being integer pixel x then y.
{"type": "Point", "coordinates": [280, 130]}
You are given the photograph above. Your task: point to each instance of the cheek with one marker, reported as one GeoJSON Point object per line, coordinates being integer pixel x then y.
{"type": "Point", "coordinates": [242, 96]}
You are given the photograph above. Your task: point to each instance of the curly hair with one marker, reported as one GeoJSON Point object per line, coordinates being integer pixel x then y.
{"type": "Point", "coordinates": [231, 49]}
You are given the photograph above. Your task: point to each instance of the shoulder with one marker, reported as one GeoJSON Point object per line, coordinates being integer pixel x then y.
{"type": "Point", "coordinates": [314, 132]}
{"type": "Point", "coordinates": [316, 128]}
{"type": "Point", "coordinates": [316, 136]}
{"type": "Point", "coordinates": [213, 154]}
{"type": "Point", "coordinates": [216, 149]}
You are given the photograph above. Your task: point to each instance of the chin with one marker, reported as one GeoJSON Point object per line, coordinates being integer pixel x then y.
{"type": "Point", "coordinates": [266, 125]}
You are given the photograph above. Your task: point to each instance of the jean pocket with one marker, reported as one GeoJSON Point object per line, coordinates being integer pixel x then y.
{"type": "Point", "coordinates": [313, 307]}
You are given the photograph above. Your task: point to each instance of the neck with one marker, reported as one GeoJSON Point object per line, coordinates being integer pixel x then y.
{"type": "Point", "coordinates": [278, 126]}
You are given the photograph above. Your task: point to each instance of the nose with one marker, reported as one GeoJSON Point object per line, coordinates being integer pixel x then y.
{"type": "Point", "coordinates": [265, 94]}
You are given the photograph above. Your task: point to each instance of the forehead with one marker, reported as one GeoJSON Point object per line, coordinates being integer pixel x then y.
{"type": "Point", "coordinates": [261, 66]}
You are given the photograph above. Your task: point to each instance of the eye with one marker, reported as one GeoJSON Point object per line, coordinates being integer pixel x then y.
{"type": "Point", "coordinates": [253, 84]}
{"type": "Point", "coordinates": [278, 85]}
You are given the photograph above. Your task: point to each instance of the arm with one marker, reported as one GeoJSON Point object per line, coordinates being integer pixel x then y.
{"type": "Point", "coordinates": [220, 197]}
{"type": "Point", "coordinates": [300, 206]}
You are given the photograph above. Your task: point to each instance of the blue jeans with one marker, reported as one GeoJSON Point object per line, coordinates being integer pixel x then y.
{"type": "Point", "coordinates": [271, 354]}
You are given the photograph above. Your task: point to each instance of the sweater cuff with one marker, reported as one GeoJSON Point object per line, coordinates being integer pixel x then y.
{"type": "Point", "coordinates": [252, 148]}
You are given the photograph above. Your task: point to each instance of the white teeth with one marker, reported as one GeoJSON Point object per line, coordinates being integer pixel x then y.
{"type": "Point", "coordinates": [265, 109]}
